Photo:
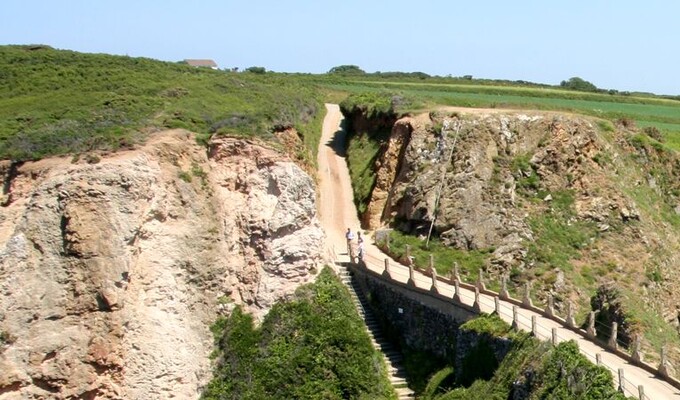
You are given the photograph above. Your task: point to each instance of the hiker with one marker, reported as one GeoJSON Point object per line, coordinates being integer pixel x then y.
{"type": "Point", "coordinates": [360, 252]}
{"type": "Point", "coordinates": [349, 236]}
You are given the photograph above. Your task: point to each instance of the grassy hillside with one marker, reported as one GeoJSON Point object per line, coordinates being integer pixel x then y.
{"type": "Point", "coordinates": [57, 102]}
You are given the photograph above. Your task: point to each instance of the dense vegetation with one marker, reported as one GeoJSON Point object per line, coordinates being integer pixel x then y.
{"type": "Point", "coordinates": [57, 102]}
{"type": "Point", "coordinates": [311, 347]}
{"type": "Point", "coordinates": [532, 368]}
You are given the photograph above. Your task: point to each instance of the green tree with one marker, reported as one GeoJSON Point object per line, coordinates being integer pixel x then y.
{"type": "Point", "coordinates": [256, 70]}
{"type": "Point", "coordinates": [579, 84]}
{"type": "Point", "coordinates": [346, 70]}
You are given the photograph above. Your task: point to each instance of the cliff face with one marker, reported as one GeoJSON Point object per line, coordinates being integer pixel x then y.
{"type": "Point", "coordinates": [553, 199]}
{"type": "Point", "coordinates": [111, 273]}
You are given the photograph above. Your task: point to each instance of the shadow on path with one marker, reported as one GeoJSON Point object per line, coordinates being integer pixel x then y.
{"type": "Point", "coordinates": [339, 143]}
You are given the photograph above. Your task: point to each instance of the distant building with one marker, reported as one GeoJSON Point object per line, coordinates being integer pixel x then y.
{"type": "Point", "coordinates": [202, 63]}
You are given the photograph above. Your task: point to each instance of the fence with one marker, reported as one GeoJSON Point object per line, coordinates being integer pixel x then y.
{"type": "Point", "coordinates": [484, 298]}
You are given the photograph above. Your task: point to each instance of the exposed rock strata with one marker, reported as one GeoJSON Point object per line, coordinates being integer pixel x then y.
{"type": "Point", "coordinates": [111, 273]}
{"type": "Point", "coordinates": [483, 177]}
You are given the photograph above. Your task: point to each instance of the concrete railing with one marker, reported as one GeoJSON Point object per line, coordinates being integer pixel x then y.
{"type": "Point", "coordinates": [635, 357]}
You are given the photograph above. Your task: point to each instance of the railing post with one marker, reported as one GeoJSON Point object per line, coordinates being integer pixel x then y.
{"type": "Point", "coordinates": [456, 274]}
{"type": "Point", "coordinates": [431, 262]}
{"type": "Point", "coordinates": [480, 281]}
{"type": "Point", "coordinates": [407, 254]}
{"type": "Point", "coordinates": [612, 339]}
{"type": "Point", "coordinates": [387, 273]}
{"type": "Point", "coordinates": [411, 275]}
{"type": "Point", "coordinates": [515, 318]}
{"type": "Point", "coordinates": [476, 306]}
{"type": "Point", "coordinates": [598, 359]}
{"type": "Point", "coordinates": [527, 296]}
{"type": "Point", "coordinates": [497, 305]}
{"type": "Point", "coordinates": [534, 330]}
{"type": "Point", "coordinates": [571, 322]}
{"type": "Point", "coordinates": [503, 294]}
{"type": "Point", "coordinates": [435, 284]}
{"type": "Point", "coordinates": [550, 308]}
{"type": "Point", "coordinates": [554, 336]}
{"type": "Point", "coordinates": [590, 331]}
{"type": "Point", "coordinates": [456, 292]}
{"type": "Point", "coordinates": [622, 382]}
{"type": "Point", "coordinates": [636, 354]}
{"type": "Point", "coordinates": [664, 367]}
{"type": "Point", "coordinates": [641, 392]}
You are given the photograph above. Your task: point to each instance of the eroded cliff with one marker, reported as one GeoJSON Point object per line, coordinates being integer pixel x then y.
{"type": "Point", "coordinates": [561, 201]}
{"type": "Point", "coordinates": [112, 271]}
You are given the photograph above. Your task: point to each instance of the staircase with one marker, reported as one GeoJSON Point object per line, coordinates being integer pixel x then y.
{"type": "Point", "coordinates": [393, 358]}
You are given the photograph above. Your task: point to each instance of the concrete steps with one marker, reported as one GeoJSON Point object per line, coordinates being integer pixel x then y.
{"type": "Point", "coordinates": [393, 358]}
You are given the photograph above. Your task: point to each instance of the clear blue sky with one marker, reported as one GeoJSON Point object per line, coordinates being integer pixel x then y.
{"type": "Point", "coordinates": [624, 45]}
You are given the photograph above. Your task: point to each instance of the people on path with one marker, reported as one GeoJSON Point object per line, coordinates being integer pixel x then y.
{"type": "Point", "coordinates": [350, 237]}
{"type": "Point", "coordinates": [360, 252]}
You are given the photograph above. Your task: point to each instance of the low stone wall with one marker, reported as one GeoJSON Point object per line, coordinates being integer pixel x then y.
{"type": "Point", "coordinates": [423, 321]}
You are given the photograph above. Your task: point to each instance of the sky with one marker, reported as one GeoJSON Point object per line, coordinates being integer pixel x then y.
{"type": "Point", "coordinates": [624, 45]}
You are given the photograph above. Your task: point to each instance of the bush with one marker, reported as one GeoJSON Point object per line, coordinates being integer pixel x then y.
{"type": "Point", "coordinates": [579, 84]}
{"type": "Point", "coordinates": [313, 346]}
{"type": "Point", "coordinates": [654, 133]}
{"type": "Point", "coordinates": [256, 70]}
{"type": "Point", "coordinates": [347, 70]}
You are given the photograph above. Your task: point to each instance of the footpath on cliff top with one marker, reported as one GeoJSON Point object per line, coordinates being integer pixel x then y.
{"type": "Point", "coordinates": [337, 213]}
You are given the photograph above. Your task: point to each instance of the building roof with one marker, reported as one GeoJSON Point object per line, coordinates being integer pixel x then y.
{"type": "Point", "coordinates": [201, 63]}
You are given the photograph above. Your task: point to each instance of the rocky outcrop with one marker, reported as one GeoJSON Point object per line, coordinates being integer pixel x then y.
{"type": "Point", "coordinates": [112, 272]}
{"type": "Point", "coordinates": [387, 167]}
{"type": "Point", "coordinates": [502, 182]}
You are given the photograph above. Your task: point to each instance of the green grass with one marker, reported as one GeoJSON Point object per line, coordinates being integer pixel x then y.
{"type": "Point", "coordinates": [469, 262]}
{"type": "Point", "coordinates": [649, 111]}
{"type": "Point", "coordinates": [362, 153]}
{"type": "Point", "coordinates": [490, 324]}
{"type": "Point", "coordinates": [56, 102]}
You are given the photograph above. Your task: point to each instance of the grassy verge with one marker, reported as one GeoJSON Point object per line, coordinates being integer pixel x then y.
{"type": "Point", "coordinates": [469, 262]}
{"type": "Point", "coordinates": [362, 152]}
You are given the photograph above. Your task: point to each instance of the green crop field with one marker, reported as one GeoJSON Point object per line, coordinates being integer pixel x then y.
{"type": "Point", "coordinates": [661, 113]}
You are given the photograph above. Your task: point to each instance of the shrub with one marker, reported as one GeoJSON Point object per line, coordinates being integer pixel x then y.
{"type": "Point", "coordinates": [654, 133]}
{"type": "Point", "coordinates": [312, 346]}
{"type": "Point", "coordinates": [256, 70]}
{"type": "Point", "coordinates": [579, 84]}
{"type": "Point", "coordinates": [346, 70]}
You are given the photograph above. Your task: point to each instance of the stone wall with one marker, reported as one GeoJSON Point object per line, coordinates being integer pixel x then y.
{"type": "Point", "coordinates": [417, 319]}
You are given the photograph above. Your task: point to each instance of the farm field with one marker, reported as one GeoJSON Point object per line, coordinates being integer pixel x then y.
{"type": "Point", "coordinates": [662, 113]}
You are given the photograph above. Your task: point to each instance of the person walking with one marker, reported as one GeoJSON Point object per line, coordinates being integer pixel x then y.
{"type": "Point", "coordinates": [350, 237]}
{"type": "Point", "coordinates": [360, 252]}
